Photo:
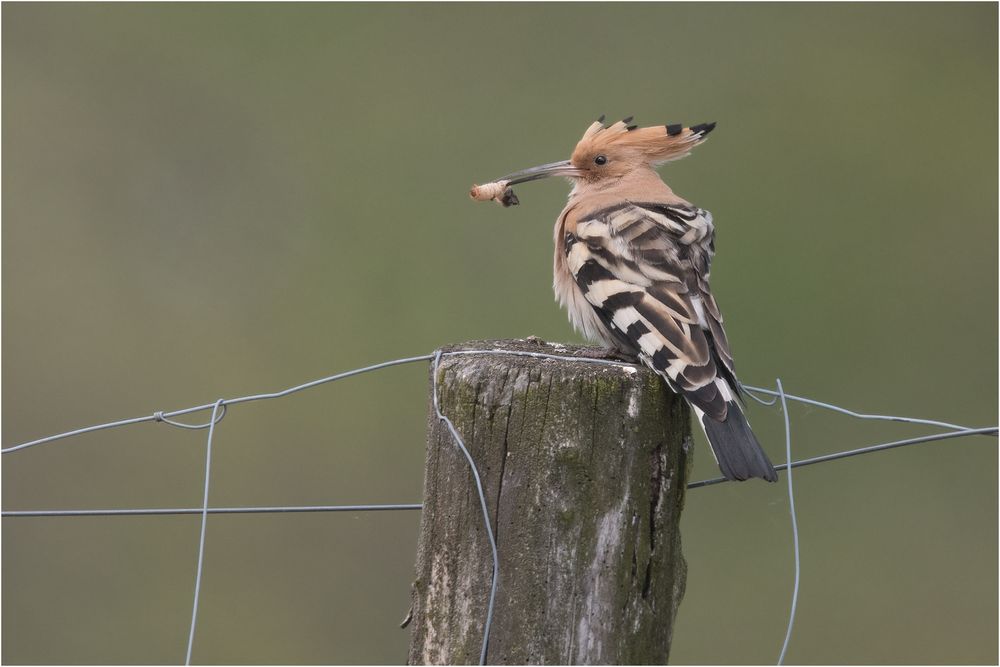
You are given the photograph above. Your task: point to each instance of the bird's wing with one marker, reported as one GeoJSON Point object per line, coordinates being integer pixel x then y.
{"type": "Point", "coordinates": [644, 269]}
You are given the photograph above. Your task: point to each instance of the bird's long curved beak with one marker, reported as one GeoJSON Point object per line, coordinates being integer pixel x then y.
{"type": "Point", "coordinates": [562, 168]}
{"type": "Point", "coordinates": [501, 192]}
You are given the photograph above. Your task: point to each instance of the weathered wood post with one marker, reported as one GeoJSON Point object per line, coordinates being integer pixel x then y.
{"type": "Point", "coordinates": [584, 468]}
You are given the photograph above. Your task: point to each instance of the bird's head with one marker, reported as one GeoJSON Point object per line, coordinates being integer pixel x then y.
{"type": "Point", "coordinates": [616, 150]}
{"type": "Point", "coordinates": [607, 154]}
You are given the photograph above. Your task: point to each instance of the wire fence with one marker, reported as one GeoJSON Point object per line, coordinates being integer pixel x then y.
{"type": "Point", "coordinates": [219, 409]}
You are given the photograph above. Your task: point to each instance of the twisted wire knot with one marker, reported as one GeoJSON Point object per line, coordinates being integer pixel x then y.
{"type": "Point", "coordinates": [158, 416]}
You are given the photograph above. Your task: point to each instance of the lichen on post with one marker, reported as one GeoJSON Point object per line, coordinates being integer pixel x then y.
{"type": "Point", "coordinates": [584, 468]}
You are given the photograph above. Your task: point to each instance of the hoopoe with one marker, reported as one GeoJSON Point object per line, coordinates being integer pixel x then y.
{"type": "Point", "coordinates": [631, 266]}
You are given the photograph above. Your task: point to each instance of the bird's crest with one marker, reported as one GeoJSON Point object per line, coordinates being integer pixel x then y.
{"type": "Point", "coordinates": [655, 144]}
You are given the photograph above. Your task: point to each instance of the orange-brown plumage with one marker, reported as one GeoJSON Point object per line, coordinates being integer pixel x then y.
{"type": "Point", "coordinates": [632, 147]}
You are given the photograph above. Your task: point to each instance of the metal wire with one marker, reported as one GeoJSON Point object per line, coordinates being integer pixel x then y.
{"type": "Point", "coordinates": [482, 503]}
{"type": "Point", "coordinates": [158, 511]}
{"type": "Point", "coordinates": [221, 405]}
{"type": "Point", "coordinates": [845, 411]}
{"type": "Point", "coordinates": [290, 509]}
{"type": "Point", "coordinates": [204, 522]}
{"type": "Point", "coordinates": [989, 430]}
{"type": "Point", "coordinates": [795, 525]}
{"type": "Point", "coordinates": [161, 416]}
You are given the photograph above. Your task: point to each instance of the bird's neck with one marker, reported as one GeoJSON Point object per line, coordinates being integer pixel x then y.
{"type": "Point", "coordinates": [638, 185]}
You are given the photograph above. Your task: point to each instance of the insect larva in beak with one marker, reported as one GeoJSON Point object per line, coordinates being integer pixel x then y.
{"type": "Point", "coordinates": [496, 191]}
{"type": "Point", "coordinates": [488, 191]}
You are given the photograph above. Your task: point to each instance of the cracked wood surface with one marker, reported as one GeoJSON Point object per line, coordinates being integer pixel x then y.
{"type": "Point", "coordinates": [584, 468]}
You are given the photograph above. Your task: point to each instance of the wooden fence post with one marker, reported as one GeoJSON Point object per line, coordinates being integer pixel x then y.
{"type": "Point", "coordinates": [584, 469]}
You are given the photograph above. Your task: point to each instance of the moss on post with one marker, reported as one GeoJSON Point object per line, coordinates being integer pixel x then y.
{"type": "Point", "coordinates": [584, 468]}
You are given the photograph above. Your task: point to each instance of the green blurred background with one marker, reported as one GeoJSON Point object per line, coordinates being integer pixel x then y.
{"type": "Point", "coordinates": [215, 200]}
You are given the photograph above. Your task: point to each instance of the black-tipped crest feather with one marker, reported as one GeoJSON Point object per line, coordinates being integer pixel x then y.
{"type": "Point", "coordinates": [703, 128]}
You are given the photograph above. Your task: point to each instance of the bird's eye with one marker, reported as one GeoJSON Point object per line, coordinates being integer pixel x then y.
{"type": "Point", "coordinates": [600, 160]}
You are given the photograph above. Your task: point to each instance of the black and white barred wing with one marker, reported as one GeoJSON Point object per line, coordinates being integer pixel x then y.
{"type": "Point", "coordinates": [644, 268]}
{"type": "Point", "coordinates": [639, 269]}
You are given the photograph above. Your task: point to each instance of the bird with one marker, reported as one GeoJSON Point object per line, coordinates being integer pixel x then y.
{"type": "Point", "coordinates": [631, 266]}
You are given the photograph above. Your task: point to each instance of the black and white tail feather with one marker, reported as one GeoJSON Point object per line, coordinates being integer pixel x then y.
{"type": "Point", "coordinates": [643, 269]}
{"type": "Point", "coordinates": [735, 447]}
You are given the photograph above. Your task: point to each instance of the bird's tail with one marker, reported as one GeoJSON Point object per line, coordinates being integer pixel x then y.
{"type": "Point", "coordinates": [735, 447]}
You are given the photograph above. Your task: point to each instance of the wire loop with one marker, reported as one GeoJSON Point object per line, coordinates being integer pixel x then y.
{"type": "Point", "coordinates": [757, 398]}
{"type": "Point", "coordinates": [159, 417]}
